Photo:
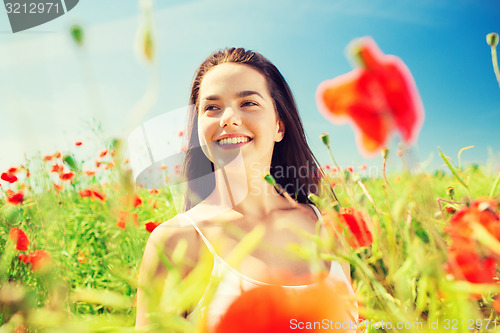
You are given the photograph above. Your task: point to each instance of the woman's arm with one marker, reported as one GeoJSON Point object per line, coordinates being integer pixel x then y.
{"type": "Point", "coordinates": [151, 270]}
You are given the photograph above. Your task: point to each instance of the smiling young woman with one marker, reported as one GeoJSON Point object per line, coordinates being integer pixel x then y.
{"type": "Point", "coordinates": [243, 124]}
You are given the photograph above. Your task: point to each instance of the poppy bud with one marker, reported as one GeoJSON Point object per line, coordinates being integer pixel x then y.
{"type": "Point", "coordinates": [355, 177]}
{"type": "Point", "coordinates": [77, 34]}
{"type": "Point", "coordinates": [270, 179]}
{"type": "Point", "coordinates": [450, 191]}
{"type": "Point", "coordinates": [326, 140]}
{"type": "Point", "coordinates": [70, 162]}
{"type": "Point", "coordinates": [492, 39]}
{"type": "Point", "coordinates": [385, 153]}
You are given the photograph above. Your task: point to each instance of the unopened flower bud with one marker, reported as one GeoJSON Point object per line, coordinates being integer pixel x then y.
{"type": "Point", "coordinates": [492, 39]}
{"type": "Point", "coordinates": [450, 191]}
{"type": "Point", "coordinates": [326, 140]}
{"type": "Point", "coordinates": [355, 177]}
{"type": "Point", "coordinates": [270, 179]}
{"type": "Point", "coordinates": [385, 153]}
{"type": "Point", "coordinates": [77, 34]}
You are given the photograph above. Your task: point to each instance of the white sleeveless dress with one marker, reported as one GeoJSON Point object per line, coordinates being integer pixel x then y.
{"type": "Point", "coordinates": [233, 282]}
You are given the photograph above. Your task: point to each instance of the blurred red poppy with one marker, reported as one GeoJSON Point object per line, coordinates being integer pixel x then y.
{"type": "Point", "coordinates": [9, 177]}
{"type": "Point", "coordinates": [89, 173]}
{"type": "Point", "coordinates": [358, 233]}
{"type": "Point", "coordinates": [92, 194]}
{"type": "Point", "coordinates": [150, 226]}
{"type": "Point", "coordinates": [23, 257]}
{"type": "Point", "coordinates": [78, 143]}
{"type": "Point", "coordinates": [275, 309]}
{"type": "Point", "coordinates": [82, 257]}
{"type": "Point", "coordinates": [103, 153]}
{"type": "Point", "coordinates": [57, 168]}
{"type": "Point", "coordinates": [137, 201]}
{"type": "Point", "coordinates": [40, 259]}
{"type": "Point", "coordinates": [124, 216]}
{"type": "Point", "coordinates": [58, 187]}
{"type": "Point", "coordinates": [67, 176]}
{"type": "Point", "coordinates": [19, 237]}
{"type": "Point", "coordinates": [467, 258]}
{"type": "Point", "coordinates": [376, 98]}
{"type": "Point", "coordinates": [15, 198]}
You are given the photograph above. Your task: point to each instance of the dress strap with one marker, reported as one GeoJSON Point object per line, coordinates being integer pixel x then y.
{"type": "Point", "coordinates": [318, 213]}
{"type": "Point", "coordinates": [205, 240]}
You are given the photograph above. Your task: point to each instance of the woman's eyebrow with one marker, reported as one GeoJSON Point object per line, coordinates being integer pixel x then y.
{"type": "Point", "coordinates": [246, 93]}
{"type": "Point", "coordinates": [239, 94]}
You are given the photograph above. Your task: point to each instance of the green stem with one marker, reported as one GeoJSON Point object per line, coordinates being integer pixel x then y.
{"type": "Point", "coordinates": [495, 185]}
{"type": "Point", "coordinates": [331, 156]}
{"type": "Point", "coordinates": [385, 177]}
{"type": "Point", "coordinates": [495, 63]}
{"type": "Point", "coordinates": [453, 171]}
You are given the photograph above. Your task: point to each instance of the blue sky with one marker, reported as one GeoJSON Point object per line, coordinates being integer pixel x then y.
{"type": "Point", "coordinates": [51, 89]}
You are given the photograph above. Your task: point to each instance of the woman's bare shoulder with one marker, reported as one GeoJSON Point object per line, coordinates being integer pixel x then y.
{"type": "Point", "coordinates": [163, 241]}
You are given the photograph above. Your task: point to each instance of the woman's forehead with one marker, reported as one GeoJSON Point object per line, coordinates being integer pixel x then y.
{"type": "Point", "coordinates": [231, 78]}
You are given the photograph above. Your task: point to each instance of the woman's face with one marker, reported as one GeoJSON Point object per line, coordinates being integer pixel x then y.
{"type": "Point", "coordinates": [236, 112]}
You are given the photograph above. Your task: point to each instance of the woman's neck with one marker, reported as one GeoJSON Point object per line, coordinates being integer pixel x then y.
{"type": "Point", "coordinates": [242, 187]}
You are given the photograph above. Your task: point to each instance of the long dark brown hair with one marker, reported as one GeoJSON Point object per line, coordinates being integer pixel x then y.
{"type": "Point", "coordinates": [290, 155]}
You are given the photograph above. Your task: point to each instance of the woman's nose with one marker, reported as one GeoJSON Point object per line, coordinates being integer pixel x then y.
{"type": "Point", "coordinates": [230, 117]}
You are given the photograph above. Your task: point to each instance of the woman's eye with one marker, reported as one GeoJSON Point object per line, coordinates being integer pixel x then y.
{"type": "Point", "coordinates": [210, 108]}
{"type": "Point", "coordinates": [249, 103]}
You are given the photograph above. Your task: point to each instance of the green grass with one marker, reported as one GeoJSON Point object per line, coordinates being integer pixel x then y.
{"type": "Point", "coordinates": [90, 284]}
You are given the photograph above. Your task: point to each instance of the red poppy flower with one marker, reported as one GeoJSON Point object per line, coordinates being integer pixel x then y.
{"type": "Point", "coordinates": [9, 177]}
{"type": "Point", "coordinates": [89, 173]}
{"type": "Point", "coordinates": [376, 98]}
{"type": "Point", "coordinates": [58, 187]}
{"type": "Point", "coordinates": [23, 257]}
{"type": "Point", "coordinates": [275, 309]}
{"type": "Point", "coordinates": [109, 165]}
{"type": "Point", "coordinates": [92, 194]}
{"type": "Point", "coordinates": [467, 258]}
{"type": "Point", "coordinates": [358, 234]}
{"type": "Point", "coordinates": [150, 226]}
{"type": "Point", "coordinates": [82, 257]}
{"type": "Point", "coordinates": [103, 153]}
{"type": "Point", "coordinates": [57, 155]}
{"type": "Point", "coordinates": [78, 143]}
{"type": "Point", "coordinates": [137, 201]}
{"type": "Point", "coordinates": [57, 168]}
{"type": "Point", "coordinates": [180, 133]}
{"type": "Point", "coordinates": [47, 158]}
{"type": "Point", "coordinates": [40, 259]}
{"type": "Point", "coordinates": [468, 265]}
{"type": "Point", "coordinates": [19, 237]}
{"type": "Point", "coordinates": [15, 198]}
{"type": "Point", "coordinates": [124, 216]}
{"type": "Point", "coordinates": [67, 176]}
{"type": "Point", "coordinates": [496, 304]}
{"type": "Point", "coordinates": [121, 224]}
{"type": "Point", "coordinates": [13, 170]}
{"type": "Point", "coordinates": [98, 164]}
{"type": "Point", "coordinates": [154, 191]}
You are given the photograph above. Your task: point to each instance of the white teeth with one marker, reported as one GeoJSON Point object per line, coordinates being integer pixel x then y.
{"type": "Point", "coordinates": [232, 141]}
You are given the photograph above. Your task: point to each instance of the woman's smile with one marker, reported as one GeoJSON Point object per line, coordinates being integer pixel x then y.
{"type": "Point", "coordinates": [232, 141]}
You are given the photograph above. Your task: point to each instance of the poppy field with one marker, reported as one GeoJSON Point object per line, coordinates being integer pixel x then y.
{"type": "Point", "coordinates": [424, 248]}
